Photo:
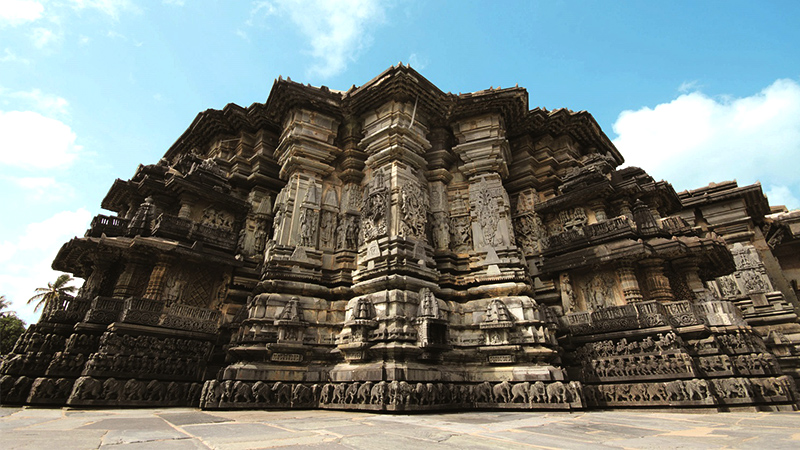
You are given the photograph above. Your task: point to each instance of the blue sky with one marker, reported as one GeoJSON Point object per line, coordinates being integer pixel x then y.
{"type": "Point", "coordinates": [693, 92]}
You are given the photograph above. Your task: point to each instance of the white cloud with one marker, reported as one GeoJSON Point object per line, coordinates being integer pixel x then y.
{"type": "Point", "coordinates": [39, 189]}
{"type": "Point", "coordinates": [336, 30]}
{"type": "Point", "coordinates": [45, 103]}
{"type": "Point", "coordinates": [781, 195]}
{"type": "Point", "coordinates": [174, 2]}
{"type": "Point", "coordinates": [417, 62]}
{"type": "Point", "coordinates": [33, 141]}
{"type": "Point", "coordinates": [112, 8]}
{"type": "Point", "coordinates": [10, 56]}
{"type": "Point", "coordinates": [42, 37]}
{"type": "Point", "coordinates": [17, 12]}
{"type": "Point", "coordinates": [695, 139]}
{"type": "Point", "coordinates": [25, 261]}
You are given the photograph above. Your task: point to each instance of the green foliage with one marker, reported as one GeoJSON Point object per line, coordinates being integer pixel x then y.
{"type": "Point", "coordinates": [53, 291]}
{"type": "Point", "coordinates": [11, 328]}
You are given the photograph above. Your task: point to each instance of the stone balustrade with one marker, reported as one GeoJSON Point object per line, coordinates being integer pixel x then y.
{"type": "Point", "coordinates": [107, 225]}
{"type": "Point", "coordinates": [647, 314]}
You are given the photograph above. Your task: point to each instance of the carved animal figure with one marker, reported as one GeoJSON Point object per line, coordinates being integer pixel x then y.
{"type": "Point", "coordinates": [483, 392]}
{"type": "Point", "coordinates": [42, 388]}
{"type": "Point", "coordinates": [338, 393]}
{"type": "Point", "coordinates": [111, 389]}
{"type": "Point", "coordinates": [575, 391]}
{"type": "Point", "coordinates": [364, 391]}
{"type": "Point", "coordinates": [63, 387]}
{"type": "Point", "coordinates": [520, 392]}
{"type": "Point", "coordinates": [242, 392]}
{"type": "Point", "coordinates": [133, 390]}
{"type": "Point", "coordinates": [556, 392]}
{"type": "Point", "coordinates": [696, 389]}
{"type": "Point", "coordinates": [351, 392]}
{"type": "Point", "coordinates": [675, 390]}
{"type": "Point", "coordinates": [261, 392]}
{"type": "Point", "coordinates": [301, 394]}
{"type": "Point", "coordinates": [227, 391]}
{"type": "Point", "coordinates": [156, 390]}
{"type": "Point", "coordinates": [378, 394]}
{"type": "Point", "coordinates": [193, 396]}
{"type": "Point", "coordinates": [637, 392]}
{"type": "Point", "coordinates": [326, 393]}
{"type": "Point", "coordinates": [420, 394]}
{"type": "Point", "coordinates": [87, 388]}
{"type": "Point", "coordinates": [282, 393]}
{"type": "Point", "coordinates": [538, 393]}
{"type": "Point", "coordinates": [655, 392]}
{"type": "Point", "coordinates": [212, 394]}
{"type": "Point", "coordinates": [501, 392]}
{"type": "Point", "coordinates": [399, 392]}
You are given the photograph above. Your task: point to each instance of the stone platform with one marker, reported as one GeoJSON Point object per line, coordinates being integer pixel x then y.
{"type": "Point", "coordinates": [188, 428]}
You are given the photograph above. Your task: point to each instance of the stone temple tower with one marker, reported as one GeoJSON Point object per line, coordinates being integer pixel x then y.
{"type": "Point", "coordinates": [398, 248]}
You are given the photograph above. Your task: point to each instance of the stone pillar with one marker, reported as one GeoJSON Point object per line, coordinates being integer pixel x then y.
{"type": "Point", "coordinates": [440, 158]}
{"type": "Point", "coordinates": [689, 269]}
{"type": "Point", "coordinates": [131, 279]}
{"type": "Point", "coordinates": [629, 283]}
{"type": "Point", "coordinates": [599, 208]}
{"type": "Point", "coordinates": [187, 202]}
{"type": "Point", "coordinates": [483, 147]}
{"type": "Point", "coordinates": [624, 208]}
{"type": "Point", "coordinates": [155, 285]}
{"type": "Point", "coordinates": [305, 153]}
{"type": "Point", "coordinates": [657, 282]}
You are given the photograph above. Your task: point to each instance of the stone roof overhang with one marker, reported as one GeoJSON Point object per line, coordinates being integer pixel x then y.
{"type": "Point", "coordinates": [401, 83]}
{"type": "Point", "coordinates": [581, 126]}
{"type": "Point", "coordinates": [117, 197]}
{"type": "Point", "coordinates": [75, 256]}
{"type": "Point", "coordinates": [230, 121]}
{"type": "Point", "coordinates": [756, 202]}
{"type": "Point", "coordinates": [404, 84]}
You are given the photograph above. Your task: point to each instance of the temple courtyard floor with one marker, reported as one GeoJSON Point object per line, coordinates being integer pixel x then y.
{"type": "Point", "coordinates": [188, 428]}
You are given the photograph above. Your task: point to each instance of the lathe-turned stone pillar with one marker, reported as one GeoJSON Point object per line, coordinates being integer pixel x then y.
{"type": "Point", "coordinates": [629, 283]}
{"type": "Point", "coordinates": [657, 282]}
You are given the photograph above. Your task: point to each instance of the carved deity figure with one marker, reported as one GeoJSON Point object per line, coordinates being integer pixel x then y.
{"type": "Point", "coordinates": [488, 214]}
{"type": "Point", "coordinates": [292, 311]}
{"type": "Point", "coordinates": [567, 294]}
{"type": "Point", "coordinates": [308, 227]}
{"type": "Point", "coordinates": [428, 306]}
{"type": "Point", "coordinates": [414, 209]}
{"type": "Point", "coordinates": [598, 293]}
{"type": "Point", "coordinates": [460, 234]}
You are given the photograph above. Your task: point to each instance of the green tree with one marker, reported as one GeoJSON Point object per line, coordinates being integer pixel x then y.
{"type": "Point", "coordinates": [4, 304]}
{"type": "Point", "coordinates": [46, 295]}
{"type": "Point", "coordinates": [11, 328]}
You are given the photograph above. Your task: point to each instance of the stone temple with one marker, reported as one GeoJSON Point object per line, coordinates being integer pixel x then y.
{"type": "Point", "coordinates": [398, 248]}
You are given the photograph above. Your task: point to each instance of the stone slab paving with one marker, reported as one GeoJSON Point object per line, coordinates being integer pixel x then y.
{"type": "Point", "coordinates": [187, 428]}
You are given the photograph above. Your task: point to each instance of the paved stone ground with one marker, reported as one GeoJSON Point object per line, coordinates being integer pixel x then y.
{"type": "Point", "coordinates": [187, 428]}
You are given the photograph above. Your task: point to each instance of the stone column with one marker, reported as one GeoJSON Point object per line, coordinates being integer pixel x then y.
{"type": "Point", "coordinates": [155, 285]}
{"type": "Point", "coordinates": [657, 282]}
{"type": "Point", "coordinates": [440, 158]}
{"type": "Point", "coordinates": [483, 147]}
{"type": "Point", "coordinates": [629, 283]}
{"type": "Point", "coordinates": [187, 202]}
{"type": "Point", "coordinates": [599, 208]}
{"type": "Point", "coordinates": [691, 272]}
{"type": "Point", "coordinates": [130, 281]}
{"type": "Point", "coordinates": [305, 153]}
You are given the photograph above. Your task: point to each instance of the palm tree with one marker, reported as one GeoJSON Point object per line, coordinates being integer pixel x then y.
{"type": "Point", "coordinates": [53, 291]}
{"type": "Point", "coordinates": [4, 304]}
